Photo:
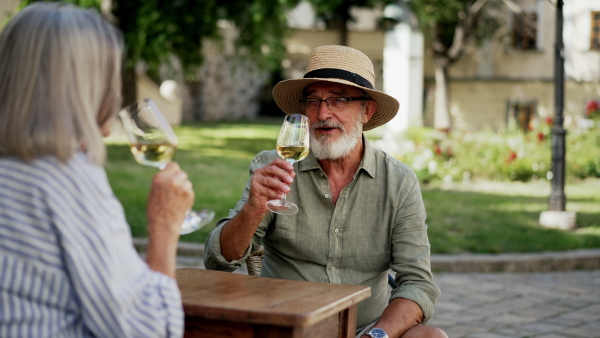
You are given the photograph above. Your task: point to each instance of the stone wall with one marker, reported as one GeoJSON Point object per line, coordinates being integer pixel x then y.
{"type": "Point", "coordinates": [228, 87]}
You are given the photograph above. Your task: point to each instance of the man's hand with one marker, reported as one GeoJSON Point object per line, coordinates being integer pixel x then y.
{"type": "Point", "coordinates": [401, 318]}
{"type": "Point", "coordinates": [268, 183]}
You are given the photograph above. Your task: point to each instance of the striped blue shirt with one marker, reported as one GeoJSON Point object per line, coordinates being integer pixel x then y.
{"type": "Point", "coordinates": [67, 264]}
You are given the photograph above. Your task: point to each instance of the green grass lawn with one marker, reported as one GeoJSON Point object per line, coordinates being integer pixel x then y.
{"type": "Point", "coordinates": [482, 217]}
{"type": "Point", "coordinates": [497, 217]}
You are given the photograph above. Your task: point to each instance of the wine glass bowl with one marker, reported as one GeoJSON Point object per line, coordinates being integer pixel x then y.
{"type": "Point", "coordinates": [152, 142]}
{"type": "Point", "coordinates": [154, 155]}
{"type": "Point", "coordinates": [292, 145]}
{"type": "Point", "coordinates": [151, 138]}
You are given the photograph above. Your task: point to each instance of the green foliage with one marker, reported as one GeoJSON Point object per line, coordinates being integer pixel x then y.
{"type": "Point", "coordinates": [337, 10]}
{"type": "Point", "coordinates": [155, 31]}
{"type": "Point", "coordinates": [439, 17]}
{"type": "Point", "coordinates": [336, 13]}
{"type": "Point", "coordinates": [509, 156]}
{"type": "Point", "coordinates": [583, 154]}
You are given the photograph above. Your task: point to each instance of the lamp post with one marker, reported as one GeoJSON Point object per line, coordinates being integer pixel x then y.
{"type": "Point", "coordinates": [558, 200]}
{"type": "Point", "coordinates": [557, 217]}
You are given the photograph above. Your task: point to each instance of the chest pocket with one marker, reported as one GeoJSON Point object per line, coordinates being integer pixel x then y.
{"type": "Point", "coordinates": [284, 228]}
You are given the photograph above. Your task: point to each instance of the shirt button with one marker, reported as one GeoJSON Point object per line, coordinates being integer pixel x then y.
{"type": "Point", "coordinates": [332, 268]}
{"type": "Point", "coordinates": [336, 230]}
{"type": "Point", "coordinates": [326, 195]}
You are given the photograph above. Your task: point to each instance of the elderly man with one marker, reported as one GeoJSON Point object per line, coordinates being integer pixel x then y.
{"type": "Point", "coordinates": [361, 211]}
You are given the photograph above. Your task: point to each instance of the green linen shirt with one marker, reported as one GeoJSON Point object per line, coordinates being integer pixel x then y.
{"type": "Point", "coordinates": [377, 224]}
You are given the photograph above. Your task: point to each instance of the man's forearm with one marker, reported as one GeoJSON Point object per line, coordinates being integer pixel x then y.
{"type": "Point", "coordinates": [399, 316]}
{"type": "Point", "coordinates": [238, 232]}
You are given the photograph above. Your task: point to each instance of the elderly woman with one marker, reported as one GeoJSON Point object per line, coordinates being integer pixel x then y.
{"type": "Point", "coordinates": [67, 264]}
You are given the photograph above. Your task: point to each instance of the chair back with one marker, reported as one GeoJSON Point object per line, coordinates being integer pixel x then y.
{"type": "Point", "coordinates": [254, 262]}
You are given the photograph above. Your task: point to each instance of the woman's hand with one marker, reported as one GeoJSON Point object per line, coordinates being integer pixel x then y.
{"type": "Point", "coordinates": [171, 196]}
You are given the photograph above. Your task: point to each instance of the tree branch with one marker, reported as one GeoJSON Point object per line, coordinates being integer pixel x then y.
{"type": "Point", "coordinates": [464, 29]}
{"type": "Point", "coordinates": [514, 7]}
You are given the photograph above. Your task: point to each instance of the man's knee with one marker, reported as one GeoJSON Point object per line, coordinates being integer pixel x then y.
{"type": "Point", "coordinates": [424, 331]}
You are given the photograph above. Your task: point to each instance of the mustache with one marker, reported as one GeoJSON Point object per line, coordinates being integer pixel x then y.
{"type": "Point", "coordinates": [327, 124]}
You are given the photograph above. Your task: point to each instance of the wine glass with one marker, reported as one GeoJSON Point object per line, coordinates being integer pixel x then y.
{"type": "Point", "coordinates": [292, 146]}
{"type": "Point", "coordinates": [152, 143]}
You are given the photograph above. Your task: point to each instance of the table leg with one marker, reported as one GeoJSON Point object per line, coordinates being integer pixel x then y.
{"type": "Point", "coordinates": [348, 322]}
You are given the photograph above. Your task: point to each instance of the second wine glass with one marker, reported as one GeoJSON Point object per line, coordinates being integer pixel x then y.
{"type": "Point", "coordinates": [292, 146]}
{"type": "Point", "coordinates": [153, 143]}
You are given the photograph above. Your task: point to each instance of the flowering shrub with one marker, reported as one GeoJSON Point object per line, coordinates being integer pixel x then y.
{"type": "Point", "coordinates": [515, 156]}
{"type": "Point", "coordinates": [592, 109]}
{"type": "Point", "coordinates": [583, 153]}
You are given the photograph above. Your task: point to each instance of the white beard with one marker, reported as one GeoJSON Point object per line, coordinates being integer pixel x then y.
{"type": "Point", "coordinates": [324, 149]}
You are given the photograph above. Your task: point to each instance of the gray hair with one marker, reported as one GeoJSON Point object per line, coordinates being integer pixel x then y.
{"type": "Point", "coordinates": [60, 68]}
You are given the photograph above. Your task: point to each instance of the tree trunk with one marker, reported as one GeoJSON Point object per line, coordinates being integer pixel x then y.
{"type": "Point", "coordinates": [441, 117]}
{"type": "Point", "coordinates": [194, 111]}
{"type": "Point", "coordinates": [129, 85]}
{"type": "Point", "coordinates": [344, 26]}
{"type": "Point", "coordinates": [344, 35]}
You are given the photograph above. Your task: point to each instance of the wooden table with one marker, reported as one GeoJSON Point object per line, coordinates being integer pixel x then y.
{"type": "Point", "coordinates": [222, 304]}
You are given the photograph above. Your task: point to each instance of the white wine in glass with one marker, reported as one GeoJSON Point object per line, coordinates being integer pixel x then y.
{"type": "Point", "coordinates": [292, 146]}
{"type": "Point", "coordinates": [153, 143]}
{"type": "Point", "coordinates": [153, 155]}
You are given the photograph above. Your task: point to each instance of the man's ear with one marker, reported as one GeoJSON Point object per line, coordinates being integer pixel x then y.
{"type": "Point", "coordinates": [370, 107]}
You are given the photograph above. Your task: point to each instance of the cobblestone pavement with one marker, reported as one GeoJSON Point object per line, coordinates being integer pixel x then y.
{"type": "Point", "coordinates": [494, 305]}
{"type": "Point", "coordinates": [500, 304]}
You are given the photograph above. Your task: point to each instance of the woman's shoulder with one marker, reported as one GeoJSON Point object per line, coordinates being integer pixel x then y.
{"type": "Point", "coordinates": [49, 174]}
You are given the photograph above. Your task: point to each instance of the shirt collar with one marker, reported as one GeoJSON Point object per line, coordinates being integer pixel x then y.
{"type": "Point", "coordinates": [367, 163]}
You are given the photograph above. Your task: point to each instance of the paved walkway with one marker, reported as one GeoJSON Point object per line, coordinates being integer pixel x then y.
{"type": "Point", "coordinates": [535, 303]}
{"type": "Point", "coordinates": [539, 304]}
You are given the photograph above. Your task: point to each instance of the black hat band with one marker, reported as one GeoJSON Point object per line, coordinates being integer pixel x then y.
{"type": "Point", "coordinates": [332, 73]}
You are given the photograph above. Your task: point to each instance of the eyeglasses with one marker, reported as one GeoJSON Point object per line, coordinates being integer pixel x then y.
{"type": "Point", "coordinates": [333, 103]}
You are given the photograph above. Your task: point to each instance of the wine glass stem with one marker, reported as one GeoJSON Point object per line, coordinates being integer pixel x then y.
{"type": "Point", "coordinates": [290, 161]}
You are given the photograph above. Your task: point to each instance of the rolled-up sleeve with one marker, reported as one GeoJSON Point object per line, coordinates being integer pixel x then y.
{"type": "Point", "coordinates": [213, 259]}
{"type": "Point", "coordinates": [411, 252]}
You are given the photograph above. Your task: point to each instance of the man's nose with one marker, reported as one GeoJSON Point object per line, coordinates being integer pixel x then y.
{"type": "Point", "coordinates": [323, 112]}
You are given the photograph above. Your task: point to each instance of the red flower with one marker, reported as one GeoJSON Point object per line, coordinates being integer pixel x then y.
{"type": "Point", "coordinates": [438, 150]}
{"type": "Point", "coordinates": [540, 136]}
{"type": "Point", "coordinates": [511, 156]}
{"type": "Point", "coordinates": [592, 109]}
{"type": "Point", "coordinates": [549, 120]}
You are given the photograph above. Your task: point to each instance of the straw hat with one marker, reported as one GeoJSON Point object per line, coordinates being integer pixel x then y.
{"type": "Point", "coordinates": [338, 64]}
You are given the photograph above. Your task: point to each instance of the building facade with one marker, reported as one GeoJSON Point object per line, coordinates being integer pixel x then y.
{"type": "Point", "coordinates": [506, 82]}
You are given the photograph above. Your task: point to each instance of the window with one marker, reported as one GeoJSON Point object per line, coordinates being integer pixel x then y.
{"type": "Point", "coordinates": [595, 36]}
{"type": "Point", "coordinates": [525, 30]}
{"type": "Point", "coordinates": [521, 115]}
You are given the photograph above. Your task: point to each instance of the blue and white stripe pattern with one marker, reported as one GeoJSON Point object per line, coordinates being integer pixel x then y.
{"type": "Point", "coordinates": [67, 264]}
